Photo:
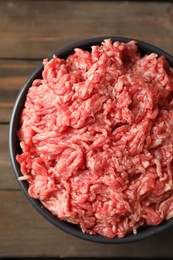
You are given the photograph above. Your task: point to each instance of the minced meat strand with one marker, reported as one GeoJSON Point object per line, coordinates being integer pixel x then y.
{"type": "Point", "coordinates": [96, 134]}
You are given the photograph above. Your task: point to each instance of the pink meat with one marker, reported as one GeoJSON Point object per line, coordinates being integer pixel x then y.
{"type": "Point", "coordinates": [96, 139]}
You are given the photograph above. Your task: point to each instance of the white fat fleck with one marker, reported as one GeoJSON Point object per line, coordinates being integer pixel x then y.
{"type": "Point", "coordinates": [168, 154]}
{"type": "Point", "coordinates": [114, 228]}
{"type": "Point", "coordinates": [170, 215]}
{"type": "Point", "coordinates": [23, 178]}
{"type": "Point", "coordinates": [88, 105]}
{"type": "Point", "coordinates": [145, 164]}
{"type": "Point", "coordinates": [168, 186]}
{"type": "Point", "coordinates": [67, 83]}
{"type": "Point", "coordinates": [157, 142]}
{"type": "Point", "coordinates": [135, 231]}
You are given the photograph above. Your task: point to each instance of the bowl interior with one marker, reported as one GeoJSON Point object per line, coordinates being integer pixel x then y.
{"type": "Point", "coordinates": [15, 149]}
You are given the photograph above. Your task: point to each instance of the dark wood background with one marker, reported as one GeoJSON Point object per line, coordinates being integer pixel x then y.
{"type": "Point", "coordinates": [30, 31]}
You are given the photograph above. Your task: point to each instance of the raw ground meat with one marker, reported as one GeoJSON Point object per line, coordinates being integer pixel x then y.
{"type": "Point", "coordinates": [96, 139]}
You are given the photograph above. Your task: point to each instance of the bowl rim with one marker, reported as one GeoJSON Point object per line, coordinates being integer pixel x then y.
{"type": "Point", "coordinates": [14, 146]}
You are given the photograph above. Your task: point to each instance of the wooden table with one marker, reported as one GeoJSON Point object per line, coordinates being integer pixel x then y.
{"type": "Point", "coordinates": [30, 31]}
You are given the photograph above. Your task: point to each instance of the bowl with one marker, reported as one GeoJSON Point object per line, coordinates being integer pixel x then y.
{"type": "Point", "coordinates": [14, 148]}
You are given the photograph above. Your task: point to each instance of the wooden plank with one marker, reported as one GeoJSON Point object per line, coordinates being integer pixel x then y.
{"type": "Point", "coordinates": [7, 179]}
{"type": "Point", "coordinates": [13, 75]}
{"type": "Point", "coordinates": [39, 28]}
{"type": "Point", "coordinates": [5, 111]}
{"type": "Point", "coordinates": [25, 233]}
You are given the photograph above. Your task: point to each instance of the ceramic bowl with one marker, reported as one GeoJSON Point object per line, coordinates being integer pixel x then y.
{"type": "Point", "coordinates": [14, 148]}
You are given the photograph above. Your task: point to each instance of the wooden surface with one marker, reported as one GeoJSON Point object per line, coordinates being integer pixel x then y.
{"type": "Point", "coordinates": [30, 31]}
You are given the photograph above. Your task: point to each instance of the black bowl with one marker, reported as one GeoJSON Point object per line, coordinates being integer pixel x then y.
{"type": "Point", "coordinates": [143, 232]}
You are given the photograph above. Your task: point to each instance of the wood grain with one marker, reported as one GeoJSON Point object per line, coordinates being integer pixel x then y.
{"type": "Point", "coordinates": [5, 111]}
{"type": "Point", "coordinates": [7, 179]}
{"type": "Point", "coordinates": [13, 75]}
{"type": "Point", "coordinates": [39, 28]}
